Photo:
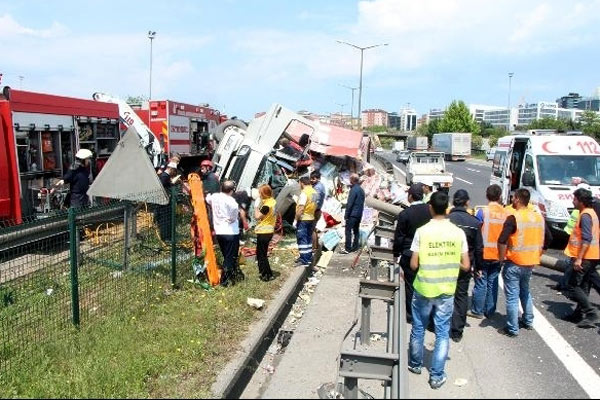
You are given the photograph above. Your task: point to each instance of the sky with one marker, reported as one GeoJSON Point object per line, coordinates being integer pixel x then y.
{"type": "Point", "coordinates": [240, 56]}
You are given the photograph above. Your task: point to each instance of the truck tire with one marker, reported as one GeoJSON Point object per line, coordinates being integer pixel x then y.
{"type": "Point", "coordinates": [219, 132]}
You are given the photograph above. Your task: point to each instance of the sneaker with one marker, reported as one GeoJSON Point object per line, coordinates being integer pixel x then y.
{"type": "Point", "coordinates": [589, 321]}
{"type": "Point", "coordinates": [456, 338]}
{"type": "Point", "coordinates": [473, 315]}
{"type": "Point", "coordinates": [415, 370]}
{"type": "Point", "coordinates": [575, 317]}
{"type": "Point", "coordinates": [344, 251]}
{"type": "Point", "coordinates": [437, 383]}
{"type": "Point", "coordinates": [523, 325]}
{"type": "Point", "coordinates": [504, 331]}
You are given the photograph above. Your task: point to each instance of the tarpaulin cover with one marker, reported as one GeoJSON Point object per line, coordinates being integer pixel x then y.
{"type": "Point", "coordinates": [334, 140]}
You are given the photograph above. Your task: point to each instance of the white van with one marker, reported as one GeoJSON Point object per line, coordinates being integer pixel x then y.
{"type": "Point", "coordinates": [550, 165]}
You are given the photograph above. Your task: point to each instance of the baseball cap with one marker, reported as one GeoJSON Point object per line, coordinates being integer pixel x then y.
{"type": "Point", "coordinates": [416, 191]}
{"type": "Point", "coordinates": [461, 196]}
{"type": "Point", "coordinates": [172, 165]}
{"type": "Point", "coordinates": [427, 181]}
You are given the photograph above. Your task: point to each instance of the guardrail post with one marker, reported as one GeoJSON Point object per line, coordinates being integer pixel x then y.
{"type": "Point", "coordinates": [173, 236]}
{"type": "Point", "coordinates": [126, 234]}
{"type": "Point", "coordinates": [74, 264]}
{"type": "Point", "coordinates": [365, 322]}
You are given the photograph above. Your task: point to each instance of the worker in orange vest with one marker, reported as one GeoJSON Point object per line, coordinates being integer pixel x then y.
{"type": "Point", "coordinates": [485, 292]}
{"type": "Point", "coordinates": [523, 237]}
{"type": "Point", "coordinates": [584, 251]}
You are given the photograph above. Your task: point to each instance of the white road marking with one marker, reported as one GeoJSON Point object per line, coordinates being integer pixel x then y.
{"type": "Point", "coordinates": [456, 177]}
{"type": "Point", "coordinates": [573, 362]}
{"type": "Point", "coordinates": [473, 170]}
{"type": "Point", "coordinates": [399, 170]}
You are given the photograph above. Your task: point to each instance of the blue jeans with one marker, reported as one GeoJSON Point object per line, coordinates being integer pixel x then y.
{"type": "Point", "coordinates": [564, 280]}
{"type": "Point", "coordinates": [352, 233]}
{"type": "Point", "coordinates": [304, 231]}
{"type": "Point", "coordinates": [516, 287]}
{"type": "Point", "coordinates": [485, 292]}
{"type": "Point", "coordinates": [422, 308]}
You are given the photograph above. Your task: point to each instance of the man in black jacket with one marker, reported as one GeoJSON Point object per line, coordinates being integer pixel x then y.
{"type": "Point", "coordinates": [354, 210]}
{"type": "Point", "coordinates": [409, 221]}
{"type": "Point", "coordinates": [460, 217]}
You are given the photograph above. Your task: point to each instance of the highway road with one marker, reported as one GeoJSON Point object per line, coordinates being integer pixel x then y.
{"type": "Point", "coordinates": [554, 336]}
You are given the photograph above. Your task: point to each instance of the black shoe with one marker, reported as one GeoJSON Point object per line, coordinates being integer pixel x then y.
{"type": "Point", "coordinates": [456, 338]}
{"type": "Point", "coordinates": [589, 321]}
{"type": "Point", "coordinates": [574, 317]}
{"type": "Point", "coordinates": [504, 331]}
{"type": "Point", "coordinates": [523, 325]}
{"type": "Point", "coordinates": [239, 276]}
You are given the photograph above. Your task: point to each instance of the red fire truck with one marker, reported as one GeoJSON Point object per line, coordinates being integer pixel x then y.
{"type": "Point", "coordinates": [39, 135]}
{"type": "Point", "coordinates": [182, 129]}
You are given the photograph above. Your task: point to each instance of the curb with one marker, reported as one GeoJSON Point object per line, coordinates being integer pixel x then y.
{"type": "Point", "coordinates": [234, 377]}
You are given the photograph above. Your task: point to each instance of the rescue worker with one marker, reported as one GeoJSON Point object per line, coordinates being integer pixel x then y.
{"type": "Point", "coordinates": [162, 213]}
{"type": "Point", "coordinates": [584, 251]}
{"type": "Point", "coordinates": [470, 225]}
{"type": "Point", "coordinates": [439, 251]}
{"type": "Point", "coordinates": [409, 220]}
{"type": "Point", "coordinates": [354, 210]}
{"type": "Point", "coordinates": [264, 213]}
{"type": "Point", "coordinates": [485, 291]}
{"type": "Point", "coordinates": [523, 237]}
{"type": "Point", "coordinates": [210, 180]}
{"type": "Point", "coordinates": [305, 219]}
{"type": "Point", "coordinates": [78, 177]}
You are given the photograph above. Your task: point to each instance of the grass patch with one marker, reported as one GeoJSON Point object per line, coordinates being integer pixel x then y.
{"type": "Point", "coordinates": [167, 348]}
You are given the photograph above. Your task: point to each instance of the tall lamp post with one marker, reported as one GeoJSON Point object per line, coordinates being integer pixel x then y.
{"type": "Point", "coordinates": [351, 104]}
{"type": "Point", "coordinates": [151, 36]}
{"type": "Point", "coordinates": [362, 49]}
{"type": "Point", "coordinates": [510, 75]}
{"type": "Point", "coordinates": [342, 112]}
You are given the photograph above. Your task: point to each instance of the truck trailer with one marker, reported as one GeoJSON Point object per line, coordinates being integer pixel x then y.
{"type": "Point", "coordinates": [455, 146]}
{"type": "Point", "coordinates": [417, 143]}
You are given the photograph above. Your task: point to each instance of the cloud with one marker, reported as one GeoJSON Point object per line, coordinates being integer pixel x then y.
{"type": "Point", "coordinates": [9, 28]}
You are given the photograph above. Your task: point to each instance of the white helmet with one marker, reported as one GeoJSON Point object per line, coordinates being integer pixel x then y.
{"type": "Point", "coordinates": [83, 154]}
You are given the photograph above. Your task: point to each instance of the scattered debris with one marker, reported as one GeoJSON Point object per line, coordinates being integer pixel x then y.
{"type": "Point", "coordinates": [460, 382]}
{"type": "Point", "coordinates": [269, 368]}
{"type": "Point", "coordinates": [284, 336]}
{"type": "Point", "coordinates": [117, 274]}
{"type": "Point", "coordinates": [49, 291]}
{"type": "Point", "coordinates": [328, 391]}
{"type": "Point", "coordinates": [375, 337]}
{"type": "Point", "coordinates": [256, 303]}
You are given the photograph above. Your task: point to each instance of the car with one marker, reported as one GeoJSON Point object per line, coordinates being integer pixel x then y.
{"type": "Point", "coordinates": [489, 154]}
{"type": "Point", "coordinates": [403, 156]}
{"type": "Point", "coordinates": [379, 149]}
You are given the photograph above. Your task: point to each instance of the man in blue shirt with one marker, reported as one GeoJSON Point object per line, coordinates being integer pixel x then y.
{"type": "Point", "coordinates": [354, 211]}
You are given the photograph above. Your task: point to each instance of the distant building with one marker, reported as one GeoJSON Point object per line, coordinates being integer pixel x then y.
{"type": "Point", "coordinates": [394, 121]}
{"type": "Point", "coordinates": [569, 101]}
{"type": "Point", "coordinates": [408, 120]}
{"type": "Point", "coordinates": [374, 117]}
{"type": "Point", "coordinates": [533, 111]}
{"type": "Point", "coordinates": [497, 116]}
{"type": "Point", "coordinates": [435, 113]}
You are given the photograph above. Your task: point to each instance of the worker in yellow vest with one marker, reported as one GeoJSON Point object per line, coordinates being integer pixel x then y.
{"type": "Point", "coordinates": [485, 291]}
{"type": "Point", "coordinates": [439, 251]}
{"type": "Point", "coordinates": [264, 213]}
{"type": "Point", "coordinates": [305, 220]}
{"type": "Point", "coordinates": [584, 251]}
{"type": "Point", "coordinates": [523, 237]}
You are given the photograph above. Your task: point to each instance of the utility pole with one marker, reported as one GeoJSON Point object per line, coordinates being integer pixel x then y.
{"type": "Point", "coordinates": [351, 104]}
{"type": "Point", "coordinates": [151, 36]}
{"type": "Point", "coordinates": [342, 113]}
{"type": "Point", "coordinates": [362, 49]}
{"type": "Point", "coordinates": [510, 75]}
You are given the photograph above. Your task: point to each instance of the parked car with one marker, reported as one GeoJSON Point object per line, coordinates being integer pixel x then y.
{"type": "Point", "coordinates": [490, 153]}
{"type": "Point", "coordinates": [403, 156]}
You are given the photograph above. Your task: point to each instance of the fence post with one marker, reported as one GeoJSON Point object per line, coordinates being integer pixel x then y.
{"type": "Point", "coordinates": [74, 263]}
{"type": "Point", "coordinates": [173, 236]}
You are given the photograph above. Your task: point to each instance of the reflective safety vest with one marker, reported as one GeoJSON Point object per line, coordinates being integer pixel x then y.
{"type": "Point", "coordinates": [575, 242]}
{"type": "Point", "coordinates": [571, 223]}
{"type": "Point", "coordinates": [525, 245]}
{"type": "Point", "coordinates": [440, 249]}
{"type": "Point", "coordinates": [312, 197]}
{"type": "Point", "coordinates": [493, 220]}
{"type": "Point", "coordinates": [267, 224]}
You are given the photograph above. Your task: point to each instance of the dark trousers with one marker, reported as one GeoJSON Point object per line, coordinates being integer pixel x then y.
{"type": "Point", "coordinates": [409, 278]}
{"type": "Point", "coordinates": [580, 283]}
{"type": "Point", "coordinates": [162, 217]}
{"type": "Point", "coordinates": [352, 225]}
{"type": "Point", "coordinates": [461, 304]}
{"type": "Point", "coordinates": [230, 246]}
{"type": "Point", "coordinates": [262, 249]}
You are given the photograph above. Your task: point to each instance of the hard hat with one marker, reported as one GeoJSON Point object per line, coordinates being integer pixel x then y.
{"type": "Point", "coordinates": [172, 165]}
{"type": "Point", "coordinates": [206, 163]}
{"type": "Point", "coordinates": [426, 181]}
{"type": "Point", "coordinates": [83, 154]}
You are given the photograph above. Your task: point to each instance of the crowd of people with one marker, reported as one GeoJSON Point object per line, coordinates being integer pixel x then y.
{"type": "Point", "coordinates": [439, 249]}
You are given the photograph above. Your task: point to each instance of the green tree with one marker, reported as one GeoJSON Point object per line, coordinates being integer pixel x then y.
{"type": "Point", "coordinates": [376, 128]}
{"type": "Point", "coordinates": [476, 142]}
{"type": "Point", "coordinates": [458, 119]}
{"type": "Point", "coordinates": [429, 129]}
{"type": "Point", "coordinates": [590, 123]}
{"type": "Point", "coordinates": [548, 123]}
{"type": "Point", "coordinates": [136, 100]}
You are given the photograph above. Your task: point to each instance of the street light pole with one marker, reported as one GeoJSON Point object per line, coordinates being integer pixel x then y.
{"type": "Point", "coordinates": [151, 36]}
{"type": "Point", "coordinates": [510, 75]}
{"type": "Point", "coordinates": [362, 49]}
{"type": "Point", "coordinates": [342, 113]}
{"type": "Point", "coordinates": [351, 104]}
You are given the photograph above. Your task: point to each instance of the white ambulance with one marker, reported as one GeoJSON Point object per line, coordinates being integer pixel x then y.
{"type": "Point", "coordinates": [550, 165]}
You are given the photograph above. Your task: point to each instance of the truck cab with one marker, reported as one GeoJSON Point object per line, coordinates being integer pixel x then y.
{"type": "Point", "coordinates": [550, 166]}
{"type": "Point", "coordinates": [428, 166]}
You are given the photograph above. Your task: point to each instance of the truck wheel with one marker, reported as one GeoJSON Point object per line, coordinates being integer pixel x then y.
{"type": "Point", "coordinates": [219, 132]}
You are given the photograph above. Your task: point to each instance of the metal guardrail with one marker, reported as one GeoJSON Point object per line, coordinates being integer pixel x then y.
{"type": "Point", "coordinates": [391, 366]}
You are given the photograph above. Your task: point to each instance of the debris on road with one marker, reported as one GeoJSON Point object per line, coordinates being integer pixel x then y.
{"type": "Point", "coordinates": [256, 303]}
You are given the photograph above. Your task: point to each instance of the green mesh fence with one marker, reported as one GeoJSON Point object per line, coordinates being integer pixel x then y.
{"type": "Point", "coordinates": [73, 267]}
